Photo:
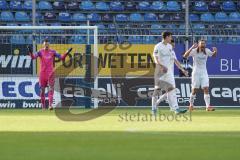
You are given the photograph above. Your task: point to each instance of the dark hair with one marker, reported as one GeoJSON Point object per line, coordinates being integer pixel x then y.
{"type": "Point", "coordinates": [198, 48]}
{"type": "Point", "coordinates": [172, 41]}
{"type": "Point", "coordinates": [45, 40]}
{"type": "Point", "coordinates": [165, 34]}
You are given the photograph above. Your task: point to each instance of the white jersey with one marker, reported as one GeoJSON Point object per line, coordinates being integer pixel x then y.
{"type": "Point", "coordinates": [200, 60]}
{"type": "Point", "coordinates": [165, 55]}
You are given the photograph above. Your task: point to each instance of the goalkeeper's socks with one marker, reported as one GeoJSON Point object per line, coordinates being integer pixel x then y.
{"type": "Point", "coordinates": [207, 99]}
{"type": "Point", "coordinates": [192, 97]}
{"type": "Point", "coordinates": [43, 101]}
{"type": "Point", "coordinates": [50, 97]}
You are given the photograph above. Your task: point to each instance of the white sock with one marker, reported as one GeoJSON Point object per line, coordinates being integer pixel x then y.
{"type": "Point", "coordinates": [154, 99]}
{"type": "Point", "coordinates": [207, 99]}
{"type": "Point", "coordinates": [192, 98]}
{"type": "Point", "coordinates": [161, 98]}
{"type": "Point", "coordinates": [172, 100]}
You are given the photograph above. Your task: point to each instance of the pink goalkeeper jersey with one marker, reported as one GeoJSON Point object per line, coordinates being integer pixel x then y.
{"type": "Point", "coordinates": [46, 60]}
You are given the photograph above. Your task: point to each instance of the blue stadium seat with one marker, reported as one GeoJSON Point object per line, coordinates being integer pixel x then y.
{"type": "Point", "coordinates": [102, 6]}
{"type": "Point", "coordinates": [45, 5]}
{"type": "Point", "coordinates": [221, 17]}
{"type": "Point", "coordinates": [64, 17]}
{"type": "Point", "coordinates": [178, 17]}
{"type": "Point", "coordinates": [229, 6]}
{"type": "Point", "coordinates": [116, 6]}
{"type": "Point", "coordinates": [112, 28]}
{"type": "Point", "coordinates": [87, 6]}
{"type": "Point", "coordinates": [17, 39]}
{"type": "Point", "coordinates": [27, 5]}
{"type": "Point", "coordinates": [130, 6]}
{"type": "Point", "coordinates": [39, 16]}
{"type": "Point", "coordinates": [49, 16]}
{"type": "Point", "coordinates": [107, 17]}
{"type": "Point", "coordinates": [15, 5]}
{"type": "Point", "coordinates": [194, 17]}
{"type": "Point", "coordinates": [79, 17]}
{"type": "Point", "coordinates": [200, 6]}
{"type": "Point", "coordinates": [182, 28]}
{"type": "Point", "coordinates": [94, 17]}
{"type": "Point", "coordinates": [135, 39]}
{"type": "Point", "coordinates": [158, 6]}
{"type": "Point", "coordinates": [3, 5]}
{"type": "Point", "coordinates": [73, 5]}
{"type": "Point", "coordinates": [121, 18]}
{"type": "Point", "coordinates": [209, 40]}
{"type": "Point", "coordinates": [21, 16]}
{"type": "Point", "coordinates": [59, 5]}
{"type": "Point", "coordinates": [164, 17]}
{"type": "Point", "coordinates": [29, 39]}
{"type": "Point", "coordinates": [11, 24]}
{"type": "Point", "coordinates": [199, 28]}
{"type": "Point", "coordinates": [234, 16]}
{"type": "Point", "coordinates": [173, 6]}
{"type": "Point", "coordinates": [207, 17]}
{"type": "Point", "coordinates": [233, 40]}
{"type": "Point", "coordinates": [150, 17]}
{"type": "Point", "coordinates": [171, 27]}
{"type": "Point", "coordinates": [102, 28]}
{"type": "Point", "coordinates": [77, 40]}
{"type": "Point", "coordinates": [7, 16]}
{"type": "Point", "coordinates": [214, 6]}
{"type": "Point", "coordinates": [156, 28]}
{"type": "Point", "coordinates": [149, 40]}
{"type": "Point", "coordinates": [143, 6]}
{"type": "Point", "coordinates": [136, 17]}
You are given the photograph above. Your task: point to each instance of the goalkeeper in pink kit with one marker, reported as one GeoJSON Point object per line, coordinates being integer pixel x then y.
{"type": "Point", "coordinates": [46, 75]}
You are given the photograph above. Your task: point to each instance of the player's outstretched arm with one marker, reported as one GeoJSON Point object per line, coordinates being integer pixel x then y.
{"type": "Point", "coordinates": [178, 64]}
{"type": "Point", "coordinates": [30, 52]}
{"type": "Point", "coordinates": [187, 53]}
{"type": "Point", "coordinates": [62, 57]}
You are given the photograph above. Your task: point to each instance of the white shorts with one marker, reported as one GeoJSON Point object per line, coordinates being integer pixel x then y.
{"type": "Point", "coordinates": [200, 80]}
{"type": "Point", "coordinates": [163, 81]}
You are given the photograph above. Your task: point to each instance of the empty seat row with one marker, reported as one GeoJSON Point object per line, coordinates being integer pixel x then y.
{"type": "Point", "coordinates": [215, 5]}
{"type": "Point", "coordinates": [90, 6]}
{"type": "Point", "coordinates": [20, 39]}
{"type": "Point", "coordinates": [218, 17]}
{"type": "Point", "coordinates": [80, 17]}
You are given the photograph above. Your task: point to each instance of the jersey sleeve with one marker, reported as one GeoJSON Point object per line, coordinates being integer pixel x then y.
{"type": "Point", "coordinates": [192, 53]}
{"type": "Point", "coordinates": [57, 54]}
{"type": "Point", "coordinates": [156, 51]}
{"type": "Point", "coordinates": [35, 55]}
{"type": "Point", "coordinates": [174, 55]}
{"type": "Point", "coordinates": [209, 52]}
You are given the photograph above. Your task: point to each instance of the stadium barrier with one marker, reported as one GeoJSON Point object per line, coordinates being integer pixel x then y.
{"type": "Point", "coordinates": [121, 92]}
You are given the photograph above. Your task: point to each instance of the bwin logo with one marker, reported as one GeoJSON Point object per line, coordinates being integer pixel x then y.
{"type": "Point", "coordinates": [15, 61]}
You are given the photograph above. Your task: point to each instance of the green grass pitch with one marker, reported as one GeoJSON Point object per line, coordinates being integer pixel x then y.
{"type": "Point", "coordinates": [36, 134]}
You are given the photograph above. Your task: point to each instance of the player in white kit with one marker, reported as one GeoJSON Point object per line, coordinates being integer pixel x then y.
{"type": "Point", "coordinates": [200, 79]}
{"type": "Point", "coordinates": [165, 57]}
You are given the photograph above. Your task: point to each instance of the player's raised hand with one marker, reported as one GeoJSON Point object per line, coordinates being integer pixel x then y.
{"type": "Point", "coordinates": [195, 45]}
{"type": "Point", "coordinates": [214, 49]}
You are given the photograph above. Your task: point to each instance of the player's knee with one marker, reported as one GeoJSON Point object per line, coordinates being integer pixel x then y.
{"type": "Point", "coordinates": [194, 91]}
{"type": "Point", "coordinates": [206, 90]}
